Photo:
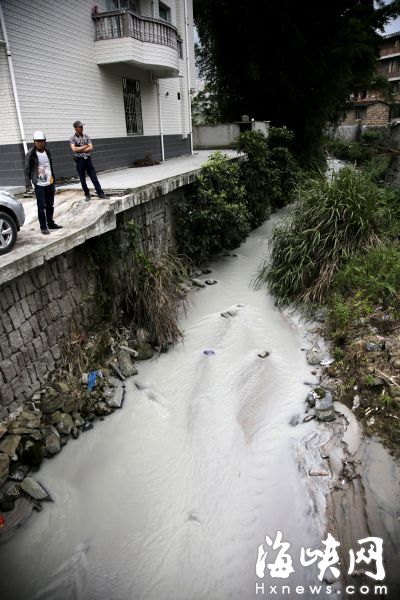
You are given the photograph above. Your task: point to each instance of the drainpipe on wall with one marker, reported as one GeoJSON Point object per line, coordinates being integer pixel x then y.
{"type": "Point", "coordinates": [13, 82]}
{"type": "Point", "coordinates": [160, 119]}
{"type": "Point", "coordinates": [188, 75]}
{"type": "Point", "coordinates": [153, 9]}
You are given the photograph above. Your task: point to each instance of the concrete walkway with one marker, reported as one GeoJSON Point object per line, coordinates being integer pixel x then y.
{"type": "Point", "coordinates": [82, 220]}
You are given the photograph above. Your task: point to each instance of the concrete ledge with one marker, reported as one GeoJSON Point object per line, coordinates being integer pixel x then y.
{"type": "Point", "coordinates": [84, 220]}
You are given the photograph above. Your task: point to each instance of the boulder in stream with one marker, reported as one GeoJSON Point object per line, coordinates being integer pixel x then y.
{"type": "Point", "coordinates": [33, 489]}
{"type": "Point", "coordinates": [198, 283]}
{"type": "Point", "coordinates": [313, 356]}
{"type": "Point", "coordinates": [125, 364]}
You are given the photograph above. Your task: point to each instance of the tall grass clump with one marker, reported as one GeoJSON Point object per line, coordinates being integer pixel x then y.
{"type": "Point", "coordinates": [333, 220]}
{"type": "Point", "coordinates": [153, 291]}
{"type": "Point", "coordinates": [270, 172]}
{"type": "Point", "coordinates": [154, 295]}
{"type": "Point", "coordinates": [215, 217]}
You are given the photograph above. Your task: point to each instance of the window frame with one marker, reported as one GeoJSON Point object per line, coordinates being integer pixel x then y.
{"type": "Point", "coordinates": [136, 97]}
{"type": "Point", "coordinates": [162, 6]}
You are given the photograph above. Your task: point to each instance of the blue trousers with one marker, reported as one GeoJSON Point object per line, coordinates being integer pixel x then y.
{"type": "Point", "coordinates": [45, 204]}
{"type": "Point", "coordinates": [83, 166]}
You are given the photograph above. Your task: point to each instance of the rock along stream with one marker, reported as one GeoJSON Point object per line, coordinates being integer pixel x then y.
{"type": "Point", "coordinates": [170, 497]}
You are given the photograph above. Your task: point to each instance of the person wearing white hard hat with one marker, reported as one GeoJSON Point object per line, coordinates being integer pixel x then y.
{"type": "Point", "coordinates": [39, 173]}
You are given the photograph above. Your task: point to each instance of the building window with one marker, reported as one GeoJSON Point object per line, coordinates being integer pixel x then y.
{"type": "Point", "coordinates": [164, 12]}
{"type": "Point", "coordinates": [359, 113]}
{"type": "Point", "coordinates": [133, 106]}
{"type": "Point", "coordinates": [118, 4]}
{"type": "Point", "coordinates": [395, 87]}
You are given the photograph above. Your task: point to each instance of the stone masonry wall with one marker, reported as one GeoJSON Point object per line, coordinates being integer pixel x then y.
{"type": "Point", "coordinates": [39, 308]}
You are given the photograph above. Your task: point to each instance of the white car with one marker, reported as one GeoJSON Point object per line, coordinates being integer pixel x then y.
{"type": "Point", "coordinates": [12, 217]}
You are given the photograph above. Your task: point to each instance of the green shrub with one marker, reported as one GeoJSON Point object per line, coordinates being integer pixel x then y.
{"type": "Point", "coordinates": [375, 276]}
{"type": "Point", "coordinates": [332, 221]}
{"type": "Point", "coordinates": [376, 168]}
{"type": "Point", "coordinates": [215, 217]}
{"type": "Point", "coordinates": [269, 175]}
{"type": "Point", "coordinates": [353, 152]}
{"type": "Point", "coordinates": [280, 137]}
{"type": "Point", "coordinates": [374, 137]}
{"type": "Point", "coordinates": [364, 282]}
{"type": "Point", "coordinates": [345, 312]}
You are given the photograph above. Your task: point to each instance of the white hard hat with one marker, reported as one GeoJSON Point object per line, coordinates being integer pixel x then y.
{"type": "Point", "coordinates": [39, 135]}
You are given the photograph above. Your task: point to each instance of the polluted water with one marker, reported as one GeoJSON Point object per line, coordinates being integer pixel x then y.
{"type": "Point", "coordinates": [182, 493]}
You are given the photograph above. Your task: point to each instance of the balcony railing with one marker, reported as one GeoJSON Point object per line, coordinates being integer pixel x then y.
{"type": "Point", "coordinates": [394, 50]}
{"type": "Point", "coordinates": [126, 23]}
{"type": "Point", "coordinates": [384, 72]}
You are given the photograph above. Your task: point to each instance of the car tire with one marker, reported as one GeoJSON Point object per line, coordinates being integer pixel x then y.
{"type": "Point", "coordinates": [8, 233]}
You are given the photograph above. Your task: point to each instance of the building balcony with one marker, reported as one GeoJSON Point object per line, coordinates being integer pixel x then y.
{"type": "Point", "coordinates": [391, 52]}
{"type": "Point", "coordinates": [391, 75]}
{"type": "Point", "coordinates": [125, 37]}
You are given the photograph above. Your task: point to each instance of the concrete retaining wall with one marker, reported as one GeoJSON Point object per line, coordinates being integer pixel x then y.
{"type": "Point", "coordinates": [40, 306]}
{"type": "Point", "coordinates": [223, 135]}
{"type": "Point", "coordinates": [345, 132]}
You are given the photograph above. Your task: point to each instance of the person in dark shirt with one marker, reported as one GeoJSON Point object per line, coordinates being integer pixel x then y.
{"type": "Point", "coordinates": [81, 146]}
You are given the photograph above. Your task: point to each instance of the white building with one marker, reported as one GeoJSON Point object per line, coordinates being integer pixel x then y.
{"type": "Point", "coordinates": [123, 67]}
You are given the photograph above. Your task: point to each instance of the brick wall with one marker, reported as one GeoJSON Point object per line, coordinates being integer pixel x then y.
{"type": "Point", "coordinates": [39, 307]}
{"type": "Point", "coordinates": [376, 114]}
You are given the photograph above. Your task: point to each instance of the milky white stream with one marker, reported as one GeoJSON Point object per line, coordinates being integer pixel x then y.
{"type": "Point", "coordinates": [170, 497]}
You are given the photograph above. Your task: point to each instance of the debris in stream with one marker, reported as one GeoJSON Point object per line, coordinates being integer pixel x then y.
{"type": "Point", "coordinates": [308, 418]}
{"type": "Point", "coordinates": [208, 352]}
{"type": "Point", "coordinates": [91, 380]}
{"type": "Point", "coordinates": [87, 425]}
{"type": "Point", "coordinates": [211, 281]}
{"type": "Point", "coordinates": [141, 385]}
{"type": "Point", "coordinates": [263, 354]}
{"type": "Point", "coordinates": [229, 313]}
{"type": "Point", "coordinates": [318, 473]}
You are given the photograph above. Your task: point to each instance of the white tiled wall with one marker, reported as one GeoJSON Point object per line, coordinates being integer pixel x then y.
{"type": "Point", "coordinates": [58, 80]}
{"type": "Point", "coordinates": [9, 121]}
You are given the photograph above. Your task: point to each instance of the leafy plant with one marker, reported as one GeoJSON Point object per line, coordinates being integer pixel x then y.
{"type": "Point", "coordinates": [369, 380]}
{"type": "Point", "coordinates": [375, 276]}
{"type": "Point", "coordinates": [215, 217]}
{"type": "Point", "coordinates": [269, 175]}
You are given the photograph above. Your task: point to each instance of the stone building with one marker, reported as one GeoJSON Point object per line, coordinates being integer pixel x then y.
{"type": "Point", "coordinates": [123, 67]}
{"type": "Point", "coordinates": [368, 113]}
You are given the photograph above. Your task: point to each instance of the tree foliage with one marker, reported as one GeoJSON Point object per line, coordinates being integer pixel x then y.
{"type": "Point", "coordinates": [293, 63]}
